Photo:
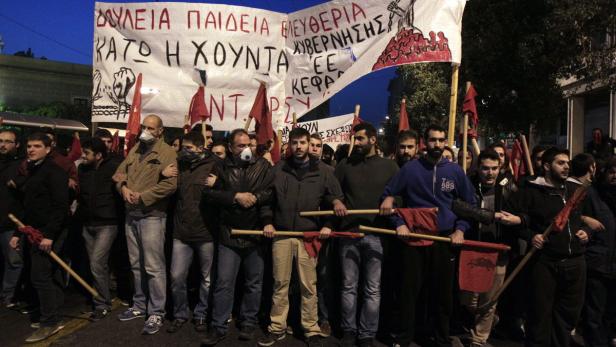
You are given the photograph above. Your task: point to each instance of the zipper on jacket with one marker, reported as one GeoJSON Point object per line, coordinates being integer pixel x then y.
{"type": "Point", "coordinates": [434, 179]}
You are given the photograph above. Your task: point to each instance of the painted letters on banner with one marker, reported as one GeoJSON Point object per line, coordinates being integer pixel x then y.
{"type": "Point", "coordinates": [334, 131]}
{"type": "Point", "coordinates": [304, 57]}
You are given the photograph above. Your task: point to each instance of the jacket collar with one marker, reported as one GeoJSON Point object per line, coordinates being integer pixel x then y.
{"type": "Point", "coordinates": [290, 167]}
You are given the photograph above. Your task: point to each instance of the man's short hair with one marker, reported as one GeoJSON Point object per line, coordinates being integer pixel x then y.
{"type": "Point", "coordinates": [316, 136]}
{"type": "Point", "coordinates": [488, 153]}
{"type": "Point", "coordinates": [194, 137]}
{"type": "Point", "coordinates": [96, 145]}
{"type": "Point", "coordinates": [434, 127]}
{"type": "Point", "coordinates": [581, 164]}
{"type": "Point", "coordinates": [49, 131]}
{"type": "Point", "coordinates": [536, 150]}
{"type": "Point", "coordinates": [40, 136]}
{"type": "Point", "coordinates": [550, 154]}
{"type": "Point", "coordinates": [297, 133]}
{"type": "Point", "coordinates": [408, 135]}
{"type": "Point", "coordinates": [219, 143]}
{"type": "Point", "coordinates": [103, 133]}
{"type": "Point", "coordinates": [208, 128]}
{"type": "Point", "coordinates": [237, 132]}
{"type": "Point", "coordinates": [369, 128]}
{"type": "Point", "coordinates": [252, 136]}
{"type": "Point", "coordinates": [12, 131]}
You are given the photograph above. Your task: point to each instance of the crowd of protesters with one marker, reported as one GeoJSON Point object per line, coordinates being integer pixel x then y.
{"type": "Point", "coordinates": [143, 219]}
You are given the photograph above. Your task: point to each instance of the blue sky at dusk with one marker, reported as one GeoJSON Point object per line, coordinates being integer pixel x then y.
{"type": "Point", "coordinates": [63, 31]}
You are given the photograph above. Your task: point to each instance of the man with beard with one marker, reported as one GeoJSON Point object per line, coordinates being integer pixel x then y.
{"type": "Point", "coordinates": [9, 203]}
{"type": "Point", "coordinates": [558, 272]}
{"type": "Point", "coordinates": [601, 147]}
{"type": "Point", "coordinates": [363, 177]}
{"type": "Point", "coordinates": [406, 149]}
{"type": "Point", "coordinates": [301, 183]}
{"type": "Point", "coordinates": [146, 194]}
{"type": "Point", "coordinates": [45, 200]}
{"type": "Point", "coordinates": [98, 208]}
{"type": "Point", "coordinates": [429, 182]}
{"type": "Point", "coordinates": [192, 230]}
{"type": "Point", "coordinates": [241, 191]}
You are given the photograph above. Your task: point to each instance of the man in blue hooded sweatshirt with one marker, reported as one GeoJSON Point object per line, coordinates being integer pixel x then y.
{"type": "Point", "coordinates": [431, 181]}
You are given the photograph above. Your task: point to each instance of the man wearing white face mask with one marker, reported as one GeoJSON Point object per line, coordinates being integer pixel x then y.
{"type": "Point", "coordinates": [242, 193]}
{"type": "Point", "coordinates": [145, 192]}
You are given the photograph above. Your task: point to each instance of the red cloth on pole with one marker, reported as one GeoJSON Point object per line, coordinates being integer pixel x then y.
{"type": "Point", "coordinates": [517, 160]}
{"type": "Point", "coordinates": [469, 106]}
{"type": "Point", "coordinates": [76, 151]}
{"type": "Point", "coordinates": [312, 242]}
{"type": "Point", "coordinates": [403, 122]}
{"type": "Point", "coordinates": [356, 121]}
{"type": "Point", "coordinates": [561, 219]}
{"type": "Point", "coordinates": [34, 236]}
{"type": "Point", "coordinates": [198, 110]}
{"type": "Point", "coordinates": [420, 221]}
{"type": "Point", "coordinates": [476, 269]}
{"type": "Point", "coordinates": [115, 142]}
{"type": "Point", "coordinates": [262, 115]}
{"type": "Point", "coordinates": [275, 152]}
{"type": "Point", "coordinates": [134, 119]}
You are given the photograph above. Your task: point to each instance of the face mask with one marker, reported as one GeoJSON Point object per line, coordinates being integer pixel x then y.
{"type": "Point", "coordinates": [246, 154]}
{"type": "Point", "coordinates": [188, 156]}
{"type": "Point", "coordinates": [146, 137]}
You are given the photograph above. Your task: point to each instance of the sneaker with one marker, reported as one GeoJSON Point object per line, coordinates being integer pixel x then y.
{"type": "Point", "coordinates": [152, 325]}
{"type": "Point", "coordinates": [247, 333]}
{"type": "Point", "coordinates": [44, 332]}
{"type": "Point", "coordinates": [326, 329]}
{"type": "Point", "coordinates": [129, 314]}
{"type": "Point", "coordinates": [200, 325]}
{"type": "Point", "coordinates": [314, 341]}
{"type": "Point", "coordinates": [365, 342]}
{"type": "Point", "coordinates": [212, 338]}
{"type": "Point", "coordinates": [348, 339]}
{"type": "Point", "coordinates": [98, 315]}
{"type": "Point", "coordinates": [175, 325]}
{"type": "Point", "coordinates": [271, 338]}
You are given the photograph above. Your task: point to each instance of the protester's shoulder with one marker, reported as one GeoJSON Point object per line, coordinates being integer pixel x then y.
{"type": "Point", "coordinates": [53, 169]}
{"type": "Point", "coordinates": [325, 168]}
{"type": "Point", "coordinates": [167, 150]}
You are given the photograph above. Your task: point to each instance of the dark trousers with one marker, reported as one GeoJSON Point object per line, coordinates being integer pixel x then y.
{"type": "Point", "coordinates": [326, 281]}
{"type": "Point", "coordinates": [46, 278]}
{"type": "Point", "coordinates": [557, 295]}
{"type": "Point", "coordinates": [433, 266]}
{"type": "Point", "coordinates": [598, 311]}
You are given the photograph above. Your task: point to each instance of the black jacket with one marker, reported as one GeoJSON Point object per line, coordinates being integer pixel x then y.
{"type": "Point", "coordinates": [45, 197]}
{"type": "Point", "coordinates": [9, 198]}
{"type": "Point", "coordinates": [255, 177]}
{"type": "Point", "coordinates": [537, 204]}
{"type": "Point", "coordinates": [191, 222]}
{"type": "Point", "coordinates": [99, 201]}
{"type": "Point", "coordinates": [296, 189]}
{"type": "Point", "coordinates": [601, 249]}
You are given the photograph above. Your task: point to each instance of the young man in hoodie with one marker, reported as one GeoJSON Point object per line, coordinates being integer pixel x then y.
{"type": "Point", "coordinates": [429, 182]}
{"type": "Point", "coordinates": [558, 271]}
{"type": "Point", "coordinates": [362, 176]}
{"type": "Point", "coordinates": [301, 183]}
{"type": "Point", "coordinates": [99, 206]}
{"type": "Point", "coordinates": [192, 230]}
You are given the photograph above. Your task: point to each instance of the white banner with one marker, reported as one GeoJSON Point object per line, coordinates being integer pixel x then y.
{"type": "Point", "coordinates": [334, 131]}
{"type": "Point", "coordinates": [304, 58]}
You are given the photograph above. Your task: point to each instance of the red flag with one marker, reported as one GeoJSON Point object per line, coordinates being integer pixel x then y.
{"type": "Point", "coordinates": [76, 151]}
{"type": "Point", "coordinates": [517, 160]}
{"type": "Point", "coordinates": [313, 244]}
{"type": "Point", "coordinates": [469, 106]}
{"type": "Point", "coordinates": [34, 235]}
{"type": "Point", "coordinates": [476, 269]}
{"type": "Point", "coordinates": [560, 221]}
{"type": "Point", "coordinates": [134, 118]}
{"type": "Point", "coordinates": [275, 152]}
{"type": "Point", "coordinates": [356, 121]}
{"type": "Point", "coordinates": [262, 115]}
{"type": "Point", "coordinates": [115, 142]}
{"type": "Point", "coordinates": [198, 111]}
{"type": "Point", "coordinates": [403, 122]}
{"type": "Point", "coordinates": [420, 221]}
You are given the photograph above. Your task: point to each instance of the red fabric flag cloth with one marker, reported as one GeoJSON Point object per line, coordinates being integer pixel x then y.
{"type": "Point", "coordinates": [76, 151]}
{"type": "Point", "coordinates": [275, 152]}
{"type": "Point", "coordinates": [403, 122]}
{"type": "Point", "coordinates": [476, 268]}
{"type": "Point", "coordinates": [34, 236]}
{"type": "Point", "coordinates": [517, 160]}
{"type": "Point", "coordinates": [115, 142]}
{"type": "Point", "coordinates": [356, 121]}
{"type": "Point", "coordinates": [198, 111]}
{"type": "Point", "coordinates": [420, 221]}
{"type": "Point", "coordinates": [262, 115]}
{"type": "Point", "coordinates": [313, 244]}
{"type": "Point", "coordinates": [134, 119]}
{"type": "Point", "coordinates": [469, 106]}
{"type": "Point", "coordinates": [561, 219]}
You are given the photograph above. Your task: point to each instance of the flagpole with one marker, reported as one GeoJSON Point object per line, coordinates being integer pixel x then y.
{"type": "Point", "coordinates": [355, 115]}
{"type": "Point", "coordinates": [452, 104]}
{"type": "Point", "coordinates": [464, 141]}
{"type": "Point", "coordinates": [294, 121]}
{"type": "Point", "coordinates": [529, 163]}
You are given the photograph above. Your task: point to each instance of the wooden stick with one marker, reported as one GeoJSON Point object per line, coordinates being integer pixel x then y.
{"type": "Point", "coordinates": [294, 121]}
{"type": "Point", "coordinates": [247, 124]}
{"type": "Point", "coordinates": [476, 149]}
{"type": "Point", "coordinates": [414, 235]}
{"type": "Point", "coordinates": [464, 142]}
{"type": "Point", "coordinates": [203, 131]}
{"type": "Point", "coordinates": [529, 163]}
{"type": "Point", "coordinates": [331, 212]}
{"type": "Point", "coordinates": [60, 262]}
{"type": "Point", "coordinates": [239, 232]}
{"type": "Point", "coordinates": [279, 136]}
{"type": "Point", "coordinates": [355, 115]}
{"type": "Point", "coordinates": [453, 100]}
{"type": "Point", "coordinates": [186, 123]}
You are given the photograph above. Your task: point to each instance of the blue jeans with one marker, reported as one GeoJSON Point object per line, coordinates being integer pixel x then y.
{"type": "Point", "coordinates": [180, 264]}
{"type": "Point", "coordinates": [98, 240]}
{"type": "Point", "coordinates": [229, 261]}
{"type": "Point", "coordinates": [365, 255]}
{"type": "Point", "coordinates": [13, 263]}
{"type": "Point", "coordinates": [145, 238]}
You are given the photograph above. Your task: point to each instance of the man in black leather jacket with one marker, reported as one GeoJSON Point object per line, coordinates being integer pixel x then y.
{"type": "Point", "coordinates": [242, 192]}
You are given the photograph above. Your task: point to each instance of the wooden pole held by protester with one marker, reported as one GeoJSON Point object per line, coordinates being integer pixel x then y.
{"type": "Point", "coordinates": [453, 100]}
{"type": "Point", "coordinates": [355, 115]}
{"type": "Point", "coordinates": [475, 146]}
{"type": "Point", "coordinates": [331, 212]}
{"type": "Point", "coordinates": [242, 232]}
{"type": "Point", "coordinates": [294, 121]}
{"type": "Point", "coordinates": [465, 142]}
{"type": "Point", "coordinates": [413, 235]}
{"type": "Point", "coordinates": [60, 262]}
{"type": "Point", "coordinates": [529, 163]}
